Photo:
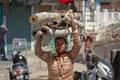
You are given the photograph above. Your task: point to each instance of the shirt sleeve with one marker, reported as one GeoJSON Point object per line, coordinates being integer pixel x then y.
{"type": "Point", "coordinates": [76, 46]}
{"type": "Point", "coordinates": [43, 55]}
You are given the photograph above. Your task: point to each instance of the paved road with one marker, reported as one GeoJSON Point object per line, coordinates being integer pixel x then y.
{"type": "Point", "coordinates": [4, 72]}
{"type": "Point", "coordinates": [41, 74]}
{"type": "Point", "coordinates": [5, 64]}
{"type": "Point", "coordinates": [38, 69]}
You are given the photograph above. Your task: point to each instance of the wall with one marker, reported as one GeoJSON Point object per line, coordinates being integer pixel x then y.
{"type": "Point", "coordinates": [18, 25]}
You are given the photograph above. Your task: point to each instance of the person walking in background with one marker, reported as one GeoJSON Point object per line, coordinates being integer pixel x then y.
{"type": "Point", "coordinates": [67, 4]}
{"type": "Point", "coordinates": [3, 31]}
{"type": "Point", "coordinates": [60, 65]}
{"type": "Point", "coordinates": [87, 41]}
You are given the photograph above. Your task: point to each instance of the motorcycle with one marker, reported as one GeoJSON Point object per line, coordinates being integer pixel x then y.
{"type": "Point", "coordinates": [20, 70]}
{"type": "Point", "coordinates": [100, 70]}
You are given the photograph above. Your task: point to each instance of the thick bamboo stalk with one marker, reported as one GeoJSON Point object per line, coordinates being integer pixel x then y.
{"type": "Point", "coordinates": [66, 16]}
{"type": "Point", "coordinates": [77, 22]}
{"type": "Point", "coordinates": [54, 23]}
{"type": "Point", "coordinates": [55, 32]}
{"type": "Point", "coordinates": [41, 17]}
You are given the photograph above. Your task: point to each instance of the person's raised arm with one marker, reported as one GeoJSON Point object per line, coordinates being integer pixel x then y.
{"type": "Point", "coordinates": [77, 42]}
{"type": "Point", "coordinates": [38, 48]}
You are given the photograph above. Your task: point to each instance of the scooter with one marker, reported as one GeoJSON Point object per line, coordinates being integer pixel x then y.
{"type": "Point", "coordinates": [102, 70]}
{"type": "Point", "coordinates": [20, 70]}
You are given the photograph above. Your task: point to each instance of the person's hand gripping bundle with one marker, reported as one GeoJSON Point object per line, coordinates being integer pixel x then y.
{"type": "Point", "coordinates": [39, 35]}
{"type": "Point", "coordinates": [73, 26]}
{"type": "Point", "coordinates": [76, 38]}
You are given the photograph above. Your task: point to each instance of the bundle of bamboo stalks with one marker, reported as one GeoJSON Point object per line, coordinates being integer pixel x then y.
{"type": "Point", "coordinates": [55, 22]}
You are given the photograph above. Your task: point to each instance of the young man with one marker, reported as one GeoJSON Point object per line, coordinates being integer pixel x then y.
{"type": "Point", "coordinates": [60, 66]}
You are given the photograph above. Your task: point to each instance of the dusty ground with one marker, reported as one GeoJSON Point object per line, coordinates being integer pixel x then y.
{"type": "Point", "coordinates": [42, 74]}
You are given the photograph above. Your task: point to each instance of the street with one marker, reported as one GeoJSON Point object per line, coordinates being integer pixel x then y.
{"type": "Point", "coordinates": [37, 72]}
{"type": "Point", "coordinates": [96, 21]}
{"type": "Point", "coordinates": [4, 69]}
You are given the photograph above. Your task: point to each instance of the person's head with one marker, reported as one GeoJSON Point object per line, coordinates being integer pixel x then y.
{"type": "Point", "coordinates": [60, 44]}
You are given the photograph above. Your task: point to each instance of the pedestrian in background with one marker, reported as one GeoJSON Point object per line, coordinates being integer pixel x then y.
{"type": "Point", "coordinates": [88, 41]}
{"type": "Point", "coordinates": [67, 4]}
{"type": "Point", "coordinates": [3, 31]}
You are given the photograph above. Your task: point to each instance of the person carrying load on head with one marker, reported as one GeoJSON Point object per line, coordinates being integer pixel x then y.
{"type": "Point", "coordinates": [60, 65]}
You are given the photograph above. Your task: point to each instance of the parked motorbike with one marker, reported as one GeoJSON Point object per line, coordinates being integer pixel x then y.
{"type": "Point", "coordinates": [102, 70]}
{"type": "Point", "coordinates": [20, 70]}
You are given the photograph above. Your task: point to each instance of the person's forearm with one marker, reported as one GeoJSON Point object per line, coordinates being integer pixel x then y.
{"type": "Point", "coordinates": [76, 36]}
{"type": "Point", "coordinates": [77, 42]}
{"type": "Point", "coordinates": [38, 49]}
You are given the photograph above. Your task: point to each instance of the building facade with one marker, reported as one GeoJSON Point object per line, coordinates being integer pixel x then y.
{"type": "Point", "coordinates": [15, 15]}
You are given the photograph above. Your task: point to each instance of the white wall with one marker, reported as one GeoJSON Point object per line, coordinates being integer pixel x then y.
{"type": "Point", "coordinates": [102, 18]}
{"type": "Point", "coordinates": [107, 17]}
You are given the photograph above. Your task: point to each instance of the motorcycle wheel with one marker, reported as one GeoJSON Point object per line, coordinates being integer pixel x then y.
{"type": "Point", "coordinates": [84, 76]}
{"type": "Point", "coordinates": [101, 78]}
{"type": "Point", "coordinates": [26, 77]}
{"type": "Point", "coordinates": [10, 75]}
{"type": "Point", "coordinates": [15, 78]}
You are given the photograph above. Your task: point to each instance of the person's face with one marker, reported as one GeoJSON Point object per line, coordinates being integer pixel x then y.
{"type": "Point", "coordinates": [60, 45]}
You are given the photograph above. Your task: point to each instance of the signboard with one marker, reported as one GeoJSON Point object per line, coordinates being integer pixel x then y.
{"type": "Point", "coordinates": [19, 43]}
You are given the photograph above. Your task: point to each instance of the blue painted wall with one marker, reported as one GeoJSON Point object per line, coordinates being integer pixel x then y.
{"type": "Point", "coordinates": [1, 14]}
